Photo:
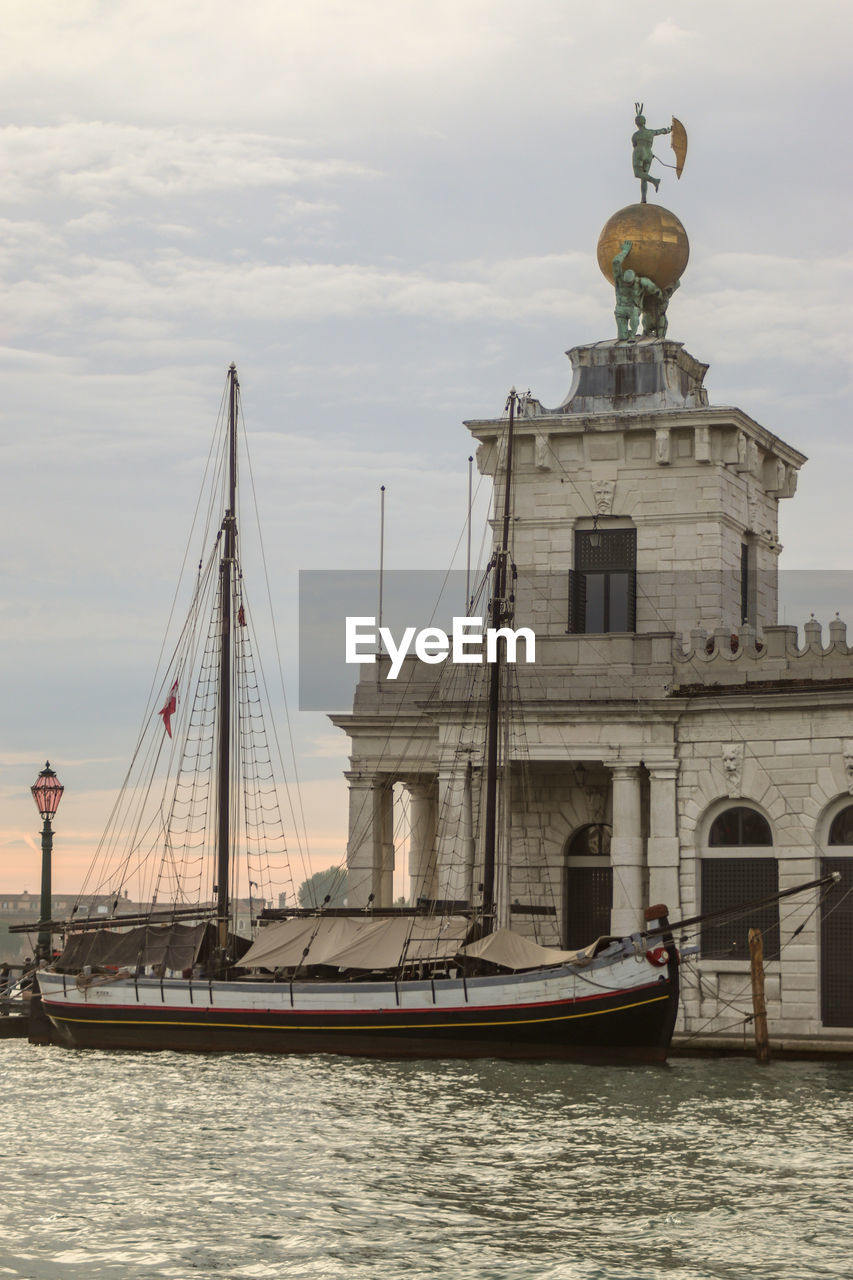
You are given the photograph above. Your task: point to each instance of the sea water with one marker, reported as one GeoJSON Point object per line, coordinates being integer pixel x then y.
{"type": "Point", "coordinates": [176, 1166]}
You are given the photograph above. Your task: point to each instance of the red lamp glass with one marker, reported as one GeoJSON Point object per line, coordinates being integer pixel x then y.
{"type": "Point", "coordinates": [47, 791]}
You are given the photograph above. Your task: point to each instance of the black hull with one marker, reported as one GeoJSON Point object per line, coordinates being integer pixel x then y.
{"type": "Point", "coordinates": [634, 1025]}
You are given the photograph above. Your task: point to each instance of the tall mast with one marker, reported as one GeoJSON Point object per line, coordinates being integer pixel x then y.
{"type": "Point", "coordinates": [501, 611]}
{"type": "Point", "coordinates": [229, 530]}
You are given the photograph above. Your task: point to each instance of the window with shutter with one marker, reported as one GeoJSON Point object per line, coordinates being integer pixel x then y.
{"type": "Point", "coordinates": [603, 583]}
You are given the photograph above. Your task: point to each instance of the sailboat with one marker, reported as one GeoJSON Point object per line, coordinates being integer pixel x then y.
{"type": "Point", "coordinates": [378, 982]}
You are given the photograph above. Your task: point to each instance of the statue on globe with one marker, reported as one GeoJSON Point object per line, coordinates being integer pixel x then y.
{"type": "Point", "coordinates": [632, 291]}
{"type": "Point", "coordinates": [643, 249]}
{"type": "Point", "coordinates": [642, 154]}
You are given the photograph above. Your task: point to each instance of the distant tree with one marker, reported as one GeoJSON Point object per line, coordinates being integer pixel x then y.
{"type": "Point", "coordinates": [313, 891]}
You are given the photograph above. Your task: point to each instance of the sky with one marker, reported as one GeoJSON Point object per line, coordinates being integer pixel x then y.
{"type": "Point", "coordinates": [386, 214]}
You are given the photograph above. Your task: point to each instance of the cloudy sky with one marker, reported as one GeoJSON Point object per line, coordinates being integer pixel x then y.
{"type": "Point", "coordinates": [386, 214]}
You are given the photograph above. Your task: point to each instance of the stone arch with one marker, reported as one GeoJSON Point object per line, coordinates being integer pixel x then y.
{"type": "Point", "coordinates": [587, 884]}
{"type": "Point", "coordinates": [829, 819]}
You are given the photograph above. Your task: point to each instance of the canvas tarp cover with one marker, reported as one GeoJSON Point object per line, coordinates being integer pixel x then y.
{"type": "Point", "coordinates": [512, 951]}
{"type": "Point", "coordinates": [352, 942]}
{"type": "Point", "coordinates": [176, 946]}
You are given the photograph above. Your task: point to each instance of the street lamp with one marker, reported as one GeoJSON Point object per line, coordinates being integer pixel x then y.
{"type": "Point", "coordinates": [47, 792]}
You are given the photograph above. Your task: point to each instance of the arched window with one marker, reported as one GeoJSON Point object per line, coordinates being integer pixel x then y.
{"type": "Point", "coordinates": [738, 868]}
{"type": "Point", "coordinates": [588, 886]}
{"type": "Point", "coordinates": [739, 826]}
{"type": "Point", "coordinates": [841, 827]}
{"type": "Point", "coordinates": [592, 841]}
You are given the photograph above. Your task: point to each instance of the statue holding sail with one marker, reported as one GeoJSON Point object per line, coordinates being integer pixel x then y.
{"type": "Point", "coordinates": [642, 153]}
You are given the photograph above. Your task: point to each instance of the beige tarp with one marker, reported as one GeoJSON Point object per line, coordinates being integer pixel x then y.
{"type": "Point", "coordinates": [385, 943]}
{"type": "Point", "coordinates": [512, 951]}
{"type": "Point", "coordinates": [281, 945]}
{"type": "Point", "coordinates": [355, 942]}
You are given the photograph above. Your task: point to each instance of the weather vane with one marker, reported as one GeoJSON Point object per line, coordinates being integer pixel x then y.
{"type": "Point", "coordinates": [642, 154]}
{"type": "Point", "coordinates": [643, 249]}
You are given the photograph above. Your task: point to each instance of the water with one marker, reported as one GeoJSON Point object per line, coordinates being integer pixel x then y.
{"type": "Point", "coordinates": [171, 1166]}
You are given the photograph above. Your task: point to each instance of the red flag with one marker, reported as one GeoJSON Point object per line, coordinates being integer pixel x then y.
{"type": "Point", "coordinates": [170, 708]}
{"type": "Point", "coordinates": [241, 617]}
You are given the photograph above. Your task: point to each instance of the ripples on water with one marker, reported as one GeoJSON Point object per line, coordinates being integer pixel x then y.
{"type": "Point", "coordinates": [169, 1167]}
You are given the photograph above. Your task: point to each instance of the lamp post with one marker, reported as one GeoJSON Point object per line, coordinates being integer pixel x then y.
{"type": "Point", "coordinates": [47, 793]}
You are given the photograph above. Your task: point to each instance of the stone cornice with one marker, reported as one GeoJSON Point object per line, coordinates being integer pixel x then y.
{"type": "Point", "coordinates": [636, 421]}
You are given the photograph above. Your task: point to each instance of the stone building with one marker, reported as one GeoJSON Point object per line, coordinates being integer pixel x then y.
{"type": "Point", "coordinates": [676, 743]}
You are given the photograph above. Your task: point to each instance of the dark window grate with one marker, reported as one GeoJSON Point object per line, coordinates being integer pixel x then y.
{"type": "Point", "coordinates": [617, 549]}
{"type": "Point", "coordinates": [589, 896]}
{"type": "Point", "coordinates": [728, 884]}
{"type": "Point", "coordinates": [836, 946]}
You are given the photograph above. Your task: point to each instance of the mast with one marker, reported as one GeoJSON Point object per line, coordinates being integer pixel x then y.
{"type": "Point", "coordinates": [229, 530]}
{"type": "Point", "coordinates": [501, 611]}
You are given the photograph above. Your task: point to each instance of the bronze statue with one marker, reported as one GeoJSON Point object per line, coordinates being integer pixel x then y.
{"type": "Point", "coordinates": [642, 154]}
{"type": "Point", "coordinates": [654, 238]}
{"type": "Point", "coordinates": [654, 306]}
{"type": "Point", "coordinates": [632, 291]}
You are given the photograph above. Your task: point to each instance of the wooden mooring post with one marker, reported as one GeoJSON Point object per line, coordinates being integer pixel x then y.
{"type": "Point", "coordinates": [759, 1008]}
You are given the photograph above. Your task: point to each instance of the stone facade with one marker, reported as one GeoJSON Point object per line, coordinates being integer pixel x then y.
{"type": "Point", "coordinates": [700, 719]}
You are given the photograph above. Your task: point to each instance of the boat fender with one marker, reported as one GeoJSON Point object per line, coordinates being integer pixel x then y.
{"type": "Point", "coordinates": [658, 957]}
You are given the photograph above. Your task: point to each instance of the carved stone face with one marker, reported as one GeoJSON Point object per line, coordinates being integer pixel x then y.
{"type": "Point", "coordinates": [731, 758]}
{"type": "Point", "coordinates": [602, 492]}
{"type": "Point", "coordinates": [847, 757]}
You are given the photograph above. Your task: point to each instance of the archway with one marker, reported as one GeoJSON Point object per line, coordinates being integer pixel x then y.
{"type": "Point", "coordinates": [588, 885]}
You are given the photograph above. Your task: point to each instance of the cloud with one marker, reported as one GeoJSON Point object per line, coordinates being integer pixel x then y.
{"type": "Point", "coordinates": [752, 306]}
{"type": "Point", "coordinates": [669, 36]}
{"type": "Point", "coordinates": [107, 162]}
{"type": "Point", "coordinates": [386, 213]}
{"type": "Point", "coordinates": [106, 291]}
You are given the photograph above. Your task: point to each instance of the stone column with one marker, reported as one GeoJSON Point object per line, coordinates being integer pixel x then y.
{"type": "Point", "coordinates": [383, 826]}
{"type": "Point", "coordinates": [370, 830]}
{"type": "Point", "coordinates": [663, 849]}
{"type": "Point", "coordinates": [422, 822]}
{"type": "Point", "coordinates": [626, 851]}
{"type": "Point", "coordinates": [453, 838]}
